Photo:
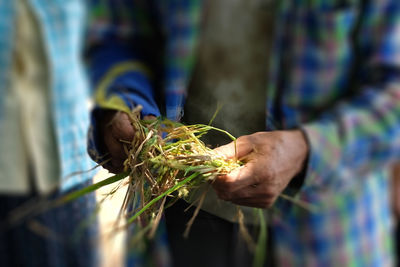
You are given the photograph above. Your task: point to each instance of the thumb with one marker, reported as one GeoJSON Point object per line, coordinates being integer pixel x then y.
{"type": "Point", "coordinates": [227, 151]}
{"type": "Point", "coordinates": [239, 148]}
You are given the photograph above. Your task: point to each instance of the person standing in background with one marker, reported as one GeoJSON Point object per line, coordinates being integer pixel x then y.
{"type": "Point", "coordinates": [43, 128]}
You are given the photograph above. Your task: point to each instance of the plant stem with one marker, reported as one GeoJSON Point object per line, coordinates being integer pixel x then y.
{"type": "Point", "coordinates": [76, 194]}
{"type": "Point", "coordinates": [261, 248]}
{"type": "Point", "coordinates": [169, 191]}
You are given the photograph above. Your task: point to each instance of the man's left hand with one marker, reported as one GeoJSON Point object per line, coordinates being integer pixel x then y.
{"type": "Point", "coordinates": [271, 159]}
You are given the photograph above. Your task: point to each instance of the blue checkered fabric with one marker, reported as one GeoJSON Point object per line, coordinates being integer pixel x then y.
{"type": "Point", "coordinates": [62, 26]}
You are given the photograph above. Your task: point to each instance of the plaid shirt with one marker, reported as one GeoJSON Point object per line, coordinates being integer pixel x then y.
{"type": "Point", "coordinates": [62, 24]}
{"type": "Point", "coordinates": [334, 73]}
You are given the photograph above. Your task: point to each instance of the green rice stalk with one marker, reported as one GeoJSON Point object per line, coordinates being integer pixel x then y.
{"type": "Point", "coordinates": [261, 247]}
{"type": "Point", "coordinates": [91, 188]}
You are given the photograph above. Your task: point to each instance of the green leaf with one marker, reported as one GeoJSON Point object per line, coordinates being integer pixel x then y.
{"type": "Point", "coordinates": [261, 248]}
{"type": "Point", "coordinates": [76, 194]}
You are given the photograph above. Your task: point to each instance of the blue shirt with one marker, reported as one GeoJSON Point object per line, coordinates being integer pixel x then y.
{"type": "Point", "coordinates": [334, 72]}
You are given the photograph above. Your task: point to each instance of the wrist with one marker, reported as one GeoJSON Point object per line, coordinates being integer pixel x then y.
{"type": "Point", "coordinates": [303, 148]}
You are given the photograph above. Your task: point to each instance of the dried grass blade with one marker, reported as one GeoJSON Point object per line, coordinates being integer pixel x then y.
{"type": "Point", "coordinates": [169, 191]}
{"type": "Point", "coordinates": [195, 213]}
{"type": "Point", "coordinates": [157, 219]}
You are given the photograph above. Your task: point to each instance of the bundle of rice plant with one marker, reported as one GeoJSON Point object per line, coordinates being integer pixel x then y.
{"type": "Point", "coordinates": [167, 159]}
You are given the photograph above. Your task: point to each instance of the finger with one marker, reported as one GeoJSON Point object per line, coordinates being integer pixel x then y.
{"type": "Point", "coordinates": [255, 202]}
{"type": "Point", "coordinates": [116, 150]}
{"type": "Point", "coordinates": [253, 191]}
{"type": "Point", "coordinates": [237, 179]}
{"type": "Point", "coordinates": [243, 147]}
{"type": "Point", "coordinates": [114, 169]}
{"type": "Point", "coordinates": [246, 192]}
{"type": "Point", "coordinates": [121, 127]}
{"type": "Point", "coordinates": [114, 146]}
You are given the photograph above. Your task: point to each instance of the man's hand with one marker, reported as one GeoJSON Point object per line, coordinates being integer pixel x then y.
{"type": "Point", "coordinates": [116, 127]}
{"type": "Point", "coordinates": [271, 159]}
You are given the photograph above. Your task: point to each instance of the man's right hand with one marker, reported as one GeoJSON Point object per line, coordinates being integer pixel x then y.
{"type": "Point", "coordinates": [114, 127]}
